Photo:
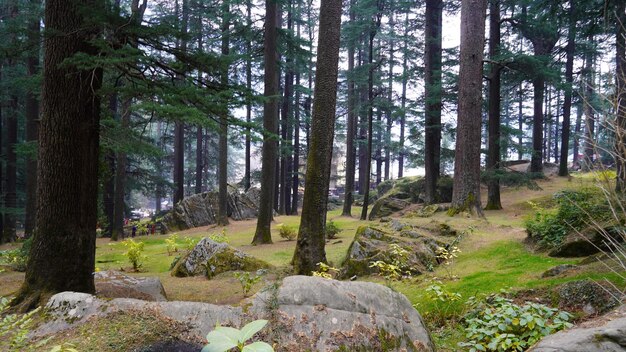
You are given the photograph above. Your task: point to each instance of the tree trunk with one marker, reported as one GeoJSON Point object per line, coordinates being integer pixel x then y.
{"type": "Point", "coordinates": [432, 93]}
{"type": "Point", "coordinates": [493, 155]}
{"type": "Point", "coordinates": [351, 128]}
{"type": "Point", "coordinates": [246, 177]}
{"type": "Point", "coordinates": [62, 256]}
{"type": "Point", "coordinates": [370, 117]}
{"type": "Point", "coordinates": [263, 234]}
{"type": "Point", "coordinates": [520, 123]}
{"type": "Point", "coordinates": [121, 159]}
{"type": "Point", "coordinates": [179, 128]}
{"type": "Point", "coordinates": [311, 236]}
{"type": "Point", "coordinates": [466, 189]}
{"type": "Point", "coordinates": [536, 160]}
{"type": "Point", "coordinates": [589, 113]}
{"type": "Point", "coordinates": [287, 128]}
{"type": "Point", "coordinates": [222, 214]}
{"type": "Point", "coordinates": [32, 119]}
{"type": "Point", "coordinates": [577, 126]}
{"type": "Point", "coordinates": [403, 98]}
{"type": "Point", "coordinates": [620, 128]}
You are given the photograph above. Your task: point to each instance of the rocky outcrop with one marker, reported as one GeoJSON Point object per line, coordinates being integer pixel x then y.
{"type": "Point", "coordinates": [114, 284]}
{"type": "Point", "coordinates": [211, 258]}
{"type": "Point", "coordinates": [372, 244]}
{"type": "Point", "coordinates": [558, 270]}
{"type": "Point", "coordinates": [603, 334]}
{"type": "Point", "coordinates": [588, 242]}
{"type": "Point", "coordinates": [386, 206]}
{"type": "Point", "coordinates": [586, 296]}
{"type": "Point", "coordinates": [201, 210]}
{"type": "Point", "coordinates": [339, 315]}
{"type": "Point", "coordinates": [305, 314]}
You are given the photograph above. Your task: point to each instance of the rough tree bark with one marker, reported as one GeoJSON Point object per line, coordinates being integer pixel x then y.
{"type": "Point", "coordinates": [222, 198]}
{"type": "Point", "coordinates": [493, 155]}
{"type": "Point", "coordinates": [351, 129]}
{"type": "Point", "coordinates": [311, 236]}
{"type": "Point", "coordinates": [567, 99]}
{"type": "Point", "coordinates": [62, 256]}
{"type": "Point", "coordinates": [246, 177]}
{"type": "Point", "coordinates": [466, 189]}
{"type": "Point", "coordinates": [432, 94]}
{"type": "Point", "coordinates": [263, 234]}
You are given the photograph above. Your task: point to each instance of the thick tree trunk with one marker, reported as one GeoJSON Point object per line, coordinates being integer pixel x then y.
{"type": "Point", "coordinates": [62, 256]}
{"type": "Point", "coordinates": [466, 190]}
{"type": "Point", "coordinates": [536, 160]}
{"type": "Point", "coordinates": [1, 166]}
{"type": "Point", "coordinates": [311, 236]}
{"type": "Point", "coordinates": [263, 234]}
{"type": "Point", "coordinates": [432, 93]}
{"type": "Point", "coordinates": [222, 213]}
{"type": "Point", "coordinates": [493, 154]}
{"type": "Point", "coordinates": [589, 114]}
{"type": "Point", "coordinates": [32, 118]}
{"type": "Point", "coordinates": [620, 128]}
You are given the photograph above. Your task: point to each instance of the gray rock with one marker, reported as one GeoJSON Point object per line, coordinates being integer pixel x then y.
{"type": "Point", "coordinates": [371, 244]}
{"type": "Point", "coordinates": [340, 314]}
{"type": "Point", "coordinates": [305, 313]}
{"type": "Point", "coordinates": [201, 210]}
{"type": "Point", "coordinates": [68, 309]}
{"type": "Point", "coordinates": [386, 206]}
{"type": "Point", "coordinates": [587, 296]}
{"type": "Point", "coordinates": [603, 334]}
{"type": "Point", "coordinates": [114, 284]}
{"type": "Point", "coordinates": [211, 258]}
{"type": "Point", "coordinates": [587, 242]}
{"type": "Point", "coordinates": [558, 270]}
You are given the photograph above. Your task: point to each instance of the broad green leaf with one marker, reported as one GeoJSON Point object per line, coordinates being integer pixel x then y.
{"type": "Point", "coordinates": [251, 328]}
{"type": "Point", "coordinates": [218, 346]}
{"type": "Point", "coordinates": [222, 333]}
{"type": "Point", "coordinates": [258, 347]}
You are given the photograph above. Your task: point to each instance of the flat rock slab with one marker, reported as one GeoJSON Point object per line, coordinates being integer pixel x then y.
{"type": "Point", "coordinates": [305, 313]}
{"type": "Point", "coordinates": [114, 284]}
{"type": "Point", "coordinates": [604, 334]}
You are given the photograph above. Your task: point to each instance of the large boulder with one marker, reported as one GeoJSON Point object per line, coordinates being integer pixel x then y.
{"type": "Point", "coordinates": [603, 334]}
{"type": "Point", "coordinates": [586, 296]}
{"type": "Point", "coordinates": [114, 284]}
{"type": "Point", "coordinates": [305, 314]}
{"type": "Point", "coordinates": [371, 244]}
{"type": "Point", "coordinates": [587, 242]}
{"type": "Point", "coordinates": [211, 258]}
{"type": "Point", "coordinates": [201, 210]}
{"type": "Point", "coordinates": [313, 313]}
{"type": "Point", "coordinates": [386, 206]}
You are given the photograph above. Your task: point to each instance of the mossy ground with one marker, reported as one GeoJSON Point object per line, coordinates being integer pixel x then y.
{"type": "Point", "coordinates": [493, 256]}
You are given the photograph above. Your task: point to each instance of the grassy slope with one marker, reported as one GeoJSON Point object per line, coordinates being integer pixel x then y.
{"type": "Point", "coordinates": [492, 257]}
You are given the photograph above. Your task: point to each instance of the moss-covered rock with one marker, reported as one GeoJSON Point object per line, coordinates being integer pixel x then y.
{"type": "Point", "coordinates": [386, 206]}
{"type": "Point", "coordinates": [211, 258]}
{"type": "Point", "coordinates": [371, 244]}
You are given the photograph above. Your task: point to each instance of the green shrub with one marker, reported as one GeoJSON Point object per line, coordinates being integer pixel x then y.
{"type": "Point", "coordinates": [443, 305]}
{"type": "Point", "coordinates": [219, 237]}
{"type": "Point", "coordinates": [332, 230]}
{"type": "Point", "coordinates": [287, 232]}
{"type": "Point", "coordinates": [574, 210]}
{"type": "Point", "coordinates": [247, 281]}
{"type": "Point", "coordinates": [134, 252]}
{"type": "Point", "coordinates": [171, 244]}
{"type": "Point", "coordinates": [14, 328]}
{"type": "Point", "coordinates": [189, 243]}
{"type": "Point", "coordinates": [224, 339]}
{"type": "Point", "coordinates": [17, 258]}
{"type": "Point", "coordinates": [498, 324]}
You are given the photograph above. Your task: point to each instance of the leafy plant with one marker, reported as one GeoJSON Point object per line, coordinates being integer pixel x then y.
{"type": "Point", "coordinates": [325, 271]}
{"type": "Point", "coordinates": [224, 339]}
{"type": "Point", "coordinates": [171, 244]}
{"type": "Point", "coordinates": [447, 257]}
{"type": "Point", "coordinates": [389, 271]}
{"type": "Point", "coordinates": [189, 243]}
{"type": "Point", "coordinates": [247, 281]}
{"type": "Point", "coordinates": [134, 252]}
{"type": "Point", "coordinates": [219, 237]}
{"type": "Point", "coordinates": [498, 324]}
{"type": "Point", "coordinates": [332, 230]}
{"type": "Point", "coordinates": [444, 304]}
{"type": "Point", "coordinates": [17, 258]}
{"type": "Point", "coordinates": [287, 232]}
{"type": "Point", "coordinates": [14, 328]}
{"type": "Point", "coordinates": [574, 210]}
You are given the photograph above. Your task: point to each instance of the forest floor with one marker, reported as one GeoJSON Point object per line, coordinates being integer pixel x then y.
{"type": "Point", "coordinates": [493, 256]}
